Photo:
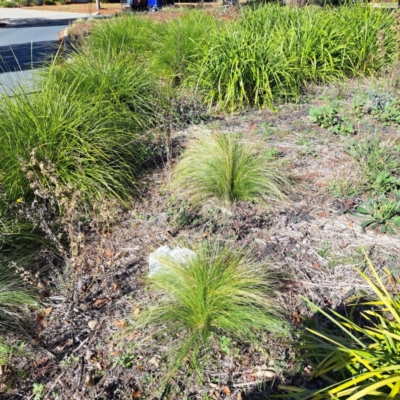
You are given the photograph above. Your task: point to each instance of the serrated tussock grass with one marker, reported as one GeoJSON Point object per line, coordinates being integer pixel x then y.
{"type": "Point", "coordinates": [217, 292]}
{"type": "Point", "coordinates": [271, 52]}
{"type": "Point", "coordinates": [224, 167]}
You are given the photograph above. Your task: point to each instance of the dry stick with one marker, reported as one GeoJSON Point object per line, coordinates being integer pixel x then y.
{"type": "Point", "coordinates": [82, 343]}
{"type": "Point", "coordinates": [252, 383]}
{"type": "Point", "coordinates": [55, 383]}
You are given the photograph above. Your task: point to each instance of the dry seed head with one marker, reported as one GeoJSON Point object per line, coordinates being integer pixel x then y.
{"type": "Point", "coordinates": [381, 44]}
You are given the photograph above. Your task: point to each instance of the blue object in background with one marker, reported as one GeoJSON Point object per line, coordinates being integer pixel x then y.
{"type": "Point", "coordinates": [154, 5]}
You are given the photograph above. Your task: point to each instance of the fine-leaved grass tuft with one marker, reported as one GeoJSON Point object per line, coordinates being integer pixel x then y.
{"type": "Point", "coordinates": [14, 298]}
{"type": "Point", "coordinates": [216, 293]}
{"type": "Point", "coordinates": [62, 136]}
{"type": "Point", "coordinates": [223, 167]}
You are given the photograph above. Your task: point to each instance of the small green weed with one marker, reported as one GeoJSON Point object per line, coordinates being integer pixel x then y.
{"type": "Point", "coordinates": [267, 129]}
{"type": "Point", "coordinates": [358, 104]}
{"type": "Point", "coordinates": [181, 213]}
{"type": "Point", "coordinates": [69, 360]}
{"type": "Point", "coordinates": [38, 390]}
{"type": "Point", "coordinates": [383, 214]}
{"type": "Point", "coordinates": [385, 108]}
{"type": "Point", "coordinates": [125, 359]}
{"type": "Point", "coordinates": [324, 251]}
{"type": "Point", "coordinates": [224, 343]}
{"type": "Point", "coordinates": [8, 352]}
{"type": "Point", "coordinates": [328, 117]}
{"type": "Point", "coordinates": [379, 161]}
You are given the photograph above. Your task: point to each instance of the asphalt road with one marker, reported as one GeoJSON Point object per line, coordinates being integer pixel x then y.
{"type": "Point", "coordinates": [18, 54]}
{"type": "Point", "coordinates": [28, 40]}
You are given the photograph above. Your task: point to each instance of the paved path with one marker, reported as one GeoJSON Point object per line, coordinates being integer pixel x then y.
{"type": "Point", "coordinates": [28, 39]}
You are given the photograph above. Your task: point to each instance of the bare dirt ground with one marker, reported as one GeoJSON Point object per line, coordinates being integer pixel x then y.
{"type": "Point", "coordinates": [77, 348]}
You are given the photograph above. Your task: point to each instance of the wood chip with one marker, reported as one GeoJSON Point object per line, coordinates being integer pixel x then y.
{"type": "Point", "coordinates": [120, 323]}
{"type": "Point", "coordinates": [264, 372]}
{"type": "Point", "coordinates": [46, 312]}
{"type": "Point", "coordinates": [92, 324]}
{"type": "Point", "coordinates": [226, 390]}
{"type": "Point", "coordinates": [89, 382]}
{"type": "Point", "coordinates": [155, 361]}
{"type": "Point", "coordinates": [100, 302]}
{"type": "Point", "coordinates": [109, 253]}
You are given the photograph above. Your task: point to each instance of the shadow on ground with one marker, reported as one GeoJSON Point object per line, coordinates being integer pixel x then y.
{"type": "Point", "coordinates": [35, 22]}
{"type": "Point", "coordinates": [20, 57]}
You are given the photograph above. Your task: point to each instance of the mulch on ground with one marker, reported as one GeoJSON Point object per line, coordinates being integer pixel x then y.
{"type": "Point", "coordinates": [312, 242]}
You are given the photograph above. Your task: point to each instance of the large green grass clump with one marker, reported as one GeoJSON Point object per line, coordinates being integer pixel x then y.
{"type": "Point", "coordinates": [271, 52]}
{"type": "Point", "coordinates": [220, 166]}
{"type": "Point", "coordinates": [176, 44]}
{"type": "Point", "coordinates": [214, 293]}
{"type": "Point", "coordinates": [63, 137]}
{"type": "Point", "coordinates": [125, 35]}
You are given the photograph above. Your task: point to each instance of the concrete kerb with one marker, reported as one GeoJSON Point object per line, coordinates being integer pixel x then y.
{"type": "Point", "coordinates": [15, 17]}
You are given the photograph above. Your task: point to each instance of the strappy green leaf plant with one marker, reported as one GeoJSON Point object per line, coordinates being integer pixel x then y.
{"type": "Point", "coordinates": [364, 361]}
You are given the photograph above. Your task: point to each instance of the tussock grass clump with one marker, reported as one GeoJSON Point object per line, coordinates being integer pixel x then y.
{"type": "Point", "coordinates": [217, 292]}
{"type": "Point", "coordinates": [221, 166]}
{"type": "Point", "coordinates": [123, 84]}
{"type": "Point", "coordinates": [361, 360]}
{"type": "Point", "coordinates": [271, 52]}
{"type": "Point", "coordinates": [122, 36]}
{"type": "Point", "coordinates": [177, 43]}
{"type": "Point", "coordinates": [14, 298]}
{"type": "Point", "coordinates": [60, 137]}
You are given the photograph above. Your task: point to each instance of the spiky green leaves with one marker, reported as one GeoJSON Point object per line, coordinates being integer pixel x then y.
{"type": "Point", "coordinates": [223, 167]}
{"type": "Point", "coordinates": [364, 361]}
